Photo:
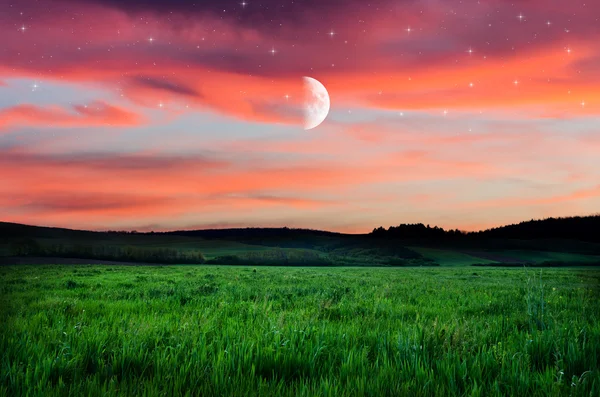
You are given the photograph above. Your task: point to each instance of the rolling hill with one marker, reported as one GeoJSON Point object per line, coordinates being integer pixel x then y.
{"type": "Point", "coordinates": [554, 241]}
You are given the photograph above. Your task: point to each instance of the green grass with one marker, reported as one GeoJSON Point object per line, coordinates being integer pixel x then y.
{"type": "Point", "coordinates": [238, 331]}
{"type": "Point", "coordinates": [449, 257]}
{"type": "Point", "coordinates": [544, 256]}
{"type": "Point", "coordinates": [210, 248]}
{"type": "Point", "coordinates": [167, 249]}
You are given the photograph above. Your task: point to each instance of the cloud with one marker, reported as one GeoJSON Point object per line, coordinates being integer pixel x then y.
{"type": "Point", "coordinates": [258, 15]}
{"type": "Point", "coordinates": [88, 203]}
{"type": "Point", "coordinates": [210, 59]}
{"type": "Point", "coordinates": [165, 85]}
{"type": "Point", "coordinates": [129, 189]}
{"type": "Point", "coordinates": [176, 174]}
{"type": "Point", "coordinates": [530, 140]}
{"type": "Point", "coordinates": [274, 200]}
{"type": "Point", "coordinates": [95, 114]}
{"type": "Point", "coordinates": [109, 162]}
{"type": "Point", "coordinates": [573, 196]}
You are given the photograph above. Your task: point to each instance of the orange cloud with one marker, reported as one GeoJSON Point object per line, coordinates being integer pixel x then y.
{"type": "Point", "coordinates": [235, 75]}
{"type": "Point", "coordinates": [95, 114]}
{"type": "Point", "coordinates": [361, 171]}
{"type": "Point", "coordinates": [581, 194]}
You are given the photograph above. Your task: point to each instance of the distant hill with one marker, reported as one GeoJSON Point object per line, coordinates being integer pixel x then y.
{"type": "Point", "coordinates": [9, 229]}
{"type": "Point", "coordinates": [585, 228]}
{"type": "Point", "coordinates": [555, 241]}
{"type": "Point", "coordinates": [572, 228]}
{"type": "Point", "coordinates": [16, 230]}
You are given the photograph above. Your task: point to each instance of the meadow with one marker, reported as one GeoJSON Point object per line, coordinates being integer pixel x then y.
{"type": "Point", "coordinates": [332, 331]}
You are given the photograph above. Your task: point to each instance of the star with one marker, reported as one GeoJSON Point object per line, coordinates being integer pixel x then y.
{"type": "Point", "coordinates": [286, 96]}
{"type": "Point", "coordinates": [568, 50]}
{"type": "Point", "coordinates": [521, 17]}
{"type": "Point", "coordinates": [273, 51]}
{"type": "Point", "coordinates": [471, 85]}
{"type": "Point", "coordinates": [583, 104]}
{"type": "Point", "coordinates": [23, 29]}
{"type": "Point", "coordinates": [161, 105]}
{"type": "Point", "coordinates": [445, 112]}
{"type": "Point", "coordinates": [516, 82]}
{"type": "Point", "coordinates": [151, 39]}
{"type": "Point", "coordinates": [408, 30]}
{"type": "Point", "coordinates": [331, 34]}
{"type": "Point", "coordinates": [470, 51]}
{"type": "Point", "coordinates": [548, 23]}
{"type": "Point", "coordinates": [243, 4]}
{"type": "Point", "coordinates": [34, 86]}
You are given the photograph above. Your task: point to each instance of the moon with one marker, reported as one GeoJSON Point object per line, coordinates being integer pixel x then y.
{"type": "Point", "coordinates": [316, 103]}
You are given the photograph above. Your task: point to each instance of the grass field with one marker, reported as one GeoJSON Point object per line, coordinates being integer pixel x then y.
{"type": "Point", "coordinates": [239, 331]}
{"type": "Point", "coordinates": [295, 247]}
{"type": "Point", "coordinates": [210, 248]}
{"type": "Point", "coordinates": [455, 257]}
{"type": "Point", "coordinates": [450, 258]}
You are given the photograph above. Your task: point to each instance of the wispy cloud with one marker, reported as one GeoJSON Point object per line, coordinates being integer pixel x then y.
{"type": "Point", "coordinates": [94, 114]}
{"type": "Point", "coordinates": [458, 114]}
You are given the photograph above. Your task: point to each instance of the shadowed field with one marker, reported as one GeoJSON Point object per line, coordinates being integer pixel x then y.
{"type": "Point", "coordinates": [227, 330]}
{"type": "Point", "coordinates": [405, 245]}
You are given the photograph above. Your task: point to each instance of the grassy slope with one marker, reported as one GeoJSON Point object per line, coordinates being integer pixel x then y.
{"type": "Point", "coordinates": [462, 257]}
{"type": "Point", "coordinates": [447, 257]}
{"type": "Point", "coordinates": [352, 248]}
{"type": "Point", "coordinates": [207, 330]}
{"type": "Point", "coordinates": [210, 248]}
{"type": "Point", "coordinates": [543, 256]}
{"type": "Point", "coordinates": [306, 244]}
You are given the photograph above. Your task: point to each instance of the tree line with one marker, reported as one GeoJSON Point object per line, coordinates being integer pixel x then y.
{"type": "Point", "coordinates": [30, 247]}
{"type": "Point", "coordinates": [575, 228]}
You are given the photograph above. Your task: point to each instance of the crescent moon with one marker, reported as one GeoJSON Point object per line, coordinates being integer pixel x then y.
{"type": "Point", "coordinates": [316, 103]}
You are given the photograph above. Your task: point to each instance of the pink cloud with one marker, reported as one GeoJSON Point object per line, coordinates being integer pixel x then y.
{"type": "Point", "coordinates": [95, 114]}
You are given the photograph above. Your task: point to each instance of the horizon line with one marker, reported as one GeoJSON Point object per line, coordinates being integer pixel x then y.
{"type": "Point", "coordinates": [135, 231]}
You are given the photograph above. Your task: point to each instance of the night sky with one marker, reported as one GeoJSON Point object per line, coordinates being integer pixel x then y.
{"type": "Point", "coordinates": [188, 114]}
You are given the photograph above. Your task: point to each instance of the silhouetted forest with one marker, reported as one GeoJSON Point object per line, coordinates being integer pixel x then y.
{"type": "Point", "coordinates": [394, 246]}
{"type": "Point", "coordinates": [416, 231]}
{"type": "Point", "coordinates": [572, 228]}
{"type": "Point", "coordinates": [30, 247]}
